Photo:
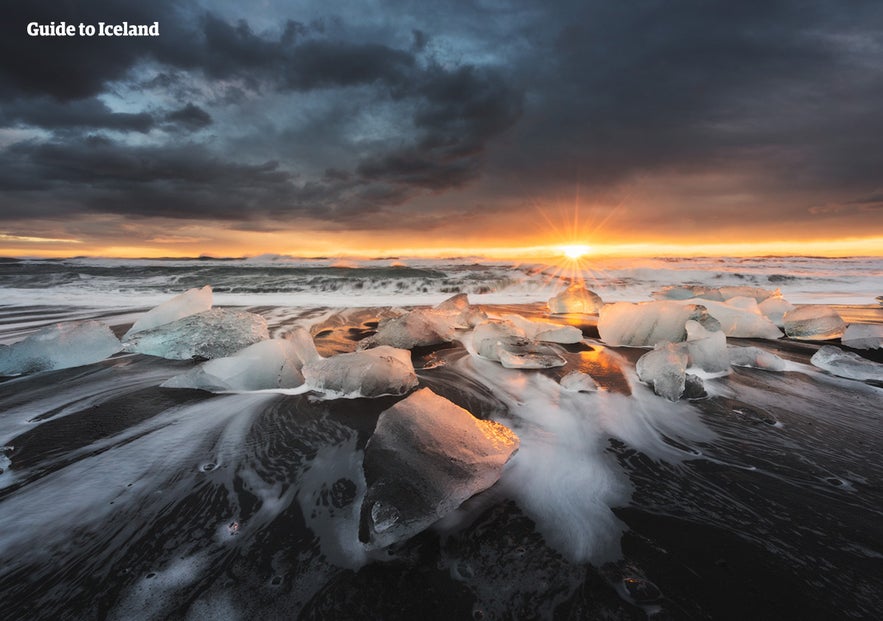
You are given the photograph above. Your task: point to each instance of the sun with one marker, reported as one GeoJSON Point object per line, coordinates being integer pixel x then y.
{"type": "Point", "coordinates": [575, 251]}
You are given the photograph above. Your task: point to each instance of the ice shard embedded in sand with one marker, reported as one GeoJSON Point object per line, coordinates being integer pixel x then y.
{"type": "Point", "coordinates": [756, 358]}
{"type": "Point", "coordinates": [707, 350]}
{"type": "Point", "coordinates": [665, 369]}
{"type": "Point", "coordinates": [863, 336]}
{"type": "Point", "coordinates": [847, 364]}
{"type": "Point", "coordinates": [214, 333]}
{"type": "Point", "coordinates": [546, 331]}
{"type": "Point", "coordinates": [375, 372]}
{"type": "Point", "coordinates": [426, 457]}
{"type": "Point", "coordinates": [190, 302]}
{"type": "Point", "coordinates": [740, 317]}
{"type": "Point", "coordinates": [270, 364]}
{"type": "Point", "coordinates": [506, 343]}
{"type": "Point", "coordinates": [59, 346]}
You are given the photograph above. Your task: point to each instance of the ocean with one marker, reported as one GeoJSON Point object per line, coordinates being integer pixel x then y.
{"type": "Point", "coordinates": [758, 497]}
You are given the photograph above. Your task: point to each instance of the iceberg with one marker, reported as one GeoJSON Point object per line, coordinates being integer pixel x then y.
{"type": "Point", "coordinates": [59, 346]}
{"type": "Point", "coordinates": [847, 364]}
{"type": "Point", "coordinates": [214, 333]}
{"type": "Point", "coordinates": [190, 302]}
{"type": "Point", "coordinates": [665, 369]}
{"type": "Point", "coordinates": [756, 358]}
{"type": "Point", "coordinates": [707, 350]}
{"type": "Point", "coordinates": [863, 336]}
{"type": "Point", "coordinates": [375, 372]}
{"type": "Point", "coordinates": [815, 322]}
{"type": "Point", "coordinates": [265, 365]}
{"type": "Point", "coordinates": [576, 299]}
{"type": "Point", "coordinates": [426, 457]}
{"type": "Point", "coordinates": [740, 317]}
{"type": "Point", "coordinates": [649, 323]}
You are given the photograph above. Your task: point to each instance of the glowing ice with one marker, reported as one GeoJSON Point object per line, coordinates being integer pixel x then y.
{"type": "Point", "coordinates": [649, 323]}
{"type": "Point", "coordinates": [863, 336]}
{"type": "Point", "coordinates": [847, 364]}
{"type": "Point", "coordinates": [577, 381]}
{"type": "Point", "coordinates": [774, 309]}
{"type": "Point", "coordinates": [464, 314]}
{"type": "Point", "coordinates": [576, 299]}
{"type": "Point", "coordinates": [426, 457]}
{"type": "Point", "coordinates": [707, 350]}
{"type": "Point", "coordinates": [59, 346]}
{"type": "Point", "coordinates": [814, 323]}
{"type": "Point", "coordinates": [755, 357]}
{"type": "Point", "coordinates": [546, 331]}
{"type": "Point", "coordinates": [665, 369]}
{"type": "Point", "coordinates": [264, 365]}
{"type": "Point", "coordinates": [190, 302]}
{"type": "Point", "coordinates": [383, 370]}
{"type": "Point", "coordinates": [506, 343]}
{"type": "Point", "coordinates": [210, 334]}
{"type": "Point", "coordinates": [740, 317]}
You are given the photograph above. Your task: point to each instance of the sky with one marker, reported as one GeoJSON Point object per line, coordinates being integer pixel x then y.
{"type": "Point", "coordinates": [412, 127]}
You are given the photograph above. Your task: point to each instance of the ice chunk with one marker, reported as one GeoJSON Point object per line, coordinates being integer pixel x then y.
{"type": "Point", "coordinates": [210, 334]}
{"type": "Point", "coordinates": [815, 322]}
{"type": "Point", "coordinates": [546, 331]}
{"type": "Point", "coordinates": [577, 381]}
{"type": "Point", "coordinates": [649, 323]}
{"type": "Point", "coordinates": [707, 350]}
{"type": "Point", "coordinates": [489, 336]}
{"type": "Point", "coordinates": [755, 357]}
{"type": "Point", "coordinates": [686, 292]}
{"type": "Point", "coordinates": [774, 309]}
{"type": "Point", "coordinates": [426, 457]}
{"type": "Point", "coordinates": [576, 299]}
{"type": "Point", "coordinates": [418, 328]}
{"type": "Point", "coordinates": [529, 356]}
{"type": "Point", "coordinates": [59, 346]}
{"type": "Point", "coordinates": [373, 372]}
{"type": "Point", "coordinates": [190, 302]}
{"type": "Point", "coordinates": [465, 314]}
{"type": "Point", "coordinates": [741, 318]}
{"type": "Point", "coordinates": [506, 343]}
{"type": "Point", "coordinates": [847, 364]}
{"type": "Point", "coordinates": [264, 365]}
{"type": "Point", "coordinates": [863, 336]}
{"type": "Point", "coordinates": [665, 369]}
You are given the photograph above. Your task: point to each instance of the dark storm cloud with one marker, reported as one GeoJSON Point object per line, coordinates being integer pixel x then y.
{"type": "Point", "coordinates": [190, 116]}
{"type": "Point", "coordinates": [519, 99]}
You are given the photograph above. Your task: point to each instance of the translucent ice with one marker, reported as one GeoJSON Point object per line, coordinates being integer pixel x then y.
{"type": "Point", "coordinates": [268, 364]}
{"type": "Point", "coordinates": [546, 331]}
{"type": "Point", "coordinates": [707, 350]}
{"type": "Point", "coordinates": [506, 343]}
{"type": "Point", "coordinates": [665, 369]}
{"type": "Point", "coordinates": [577, 381]}
{"type": "Point", "coordinates": [210, 334]}
{"type": "Point", "coordinates": [774, 309]}
{"type": "Point", "coordinates": [190, 302]}
{"type": "Point", "coordinates": [465, 315]}
{"type": "Point", "coordinates": [59, 346]}
{"type": "Point", "coordinates": [847, 364]}
{"type": "Point", "coordinates": [372, 372]}
{"type": "Point", "coordinates": [815, 322]}
{"type": "Point", "coordinates": [713, 293]}
{"type": "Point", "coordinates": [576, 299]}
{"type": "Point", "coordinates": [740, 317]}
{"type": "Point", "coordinates": [489, 336]}
{"type": "Point", "coordinates": [863, 336]}
{"type": "Point", "coordinates": [755, 357]}
{"type": "Point", "coordinates": [649, 323]}
{"type": "Point", "coordinates": [418, 328]}
{"type": "Point", "coordinates": [426, 457]}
